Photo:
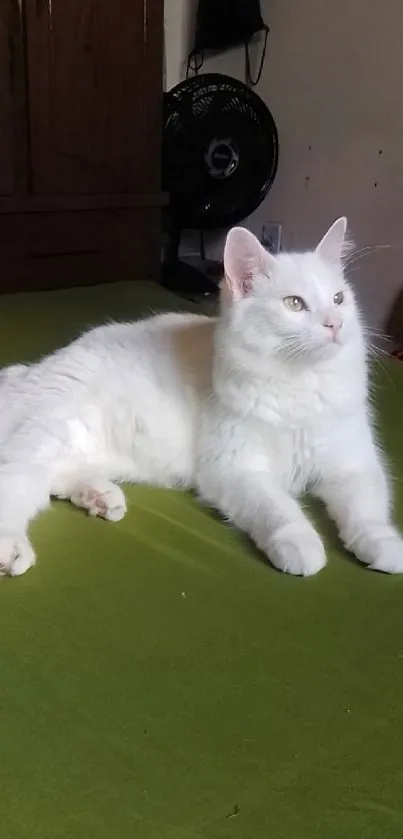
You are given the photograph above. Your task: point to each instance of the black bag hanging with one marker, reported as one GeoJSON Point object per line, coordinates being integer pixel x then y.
{"type": "Point", "coordinates": [222, 24]}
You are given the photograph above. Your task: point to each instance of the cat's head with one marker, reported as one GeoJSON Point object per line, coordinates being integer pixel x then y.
{"type": "Point", "coordinates": [297, 306]}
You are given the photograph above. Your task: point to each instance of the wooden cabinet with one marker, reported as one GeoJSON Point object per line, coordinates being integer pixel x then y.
{"type": "Point", "coordinates": [80, 134]}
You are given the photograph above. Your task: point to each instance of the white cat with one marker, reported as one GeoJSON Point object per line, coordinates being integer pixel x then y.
{"type": "Point", "coordinates": [250, 409]}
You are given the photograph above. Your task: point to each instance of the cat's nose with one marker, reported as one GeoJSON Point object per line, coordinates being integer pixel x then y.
{"type": "Point", "coordinates": [333, 322]}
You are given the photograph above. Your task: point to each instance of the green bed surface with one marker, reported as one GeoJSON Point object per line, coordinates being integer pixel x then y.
{"type": "Point", "coordinates": [158, 680]}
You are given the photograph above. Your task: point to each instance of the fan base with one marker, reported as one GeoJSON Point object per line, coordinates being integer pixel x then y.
{"type": "Point", "coordinates": [190, 282]}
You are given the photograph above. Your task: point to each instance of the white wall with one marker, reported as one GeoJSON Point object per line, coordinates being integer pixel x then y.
{"type": "Point", "coordinates": [179, 22]}
{"type": "Point", "coordinates": [333, 80]}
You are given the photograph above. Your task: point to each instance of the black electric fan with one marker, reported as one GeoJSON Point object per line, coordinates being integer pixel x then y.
{"type": "Point", "coordinates": [220, 155]}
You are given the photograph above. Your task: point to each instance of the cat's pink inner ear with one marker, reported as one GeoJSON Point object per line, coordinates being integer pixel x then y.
{"type": "Point", "coordinates": [244, 259]}
{"type": "Point", "coordinates": [332, 246]}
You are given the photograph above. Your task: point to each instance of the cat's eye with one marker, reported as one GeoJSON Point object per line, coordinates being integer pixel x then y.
{"type": "Point", "coordinates": [294, 303]}
{"type": "Point", "coordinates": [338, 298]}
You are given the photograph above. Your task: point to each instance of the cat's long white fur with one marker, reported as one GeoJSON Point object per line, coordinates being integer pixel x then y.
{"type": "Point", "coordinates": [250, 409]}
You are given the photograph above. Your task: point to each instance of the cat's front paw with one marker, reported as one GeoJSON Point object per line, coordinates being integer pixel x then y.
{"type": "Point", "coordinates": [381, 548]}
{"type": "Point", "coordinates": [389, 556]}
{"type": "Point", "coordinates": [16, 554]}
{"type": "Point", "coordinates": [297, 551]}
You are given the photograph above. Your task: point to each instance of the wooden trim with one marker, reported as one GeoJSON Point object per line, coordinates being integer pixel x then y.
{"type": "Point", "coordinates": [67, 203]}
{"type": "Point", "coordinates": [18, 93]}
{"type": "Point", "coordinates": [153, 89]}
{"type": "Point", "coordinates": [56, 250]}
{"type": "Point", "coordinates": [13, 141]}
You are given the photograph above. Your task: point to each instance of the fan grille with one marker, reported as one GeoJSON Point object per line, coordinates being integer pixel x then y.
{"type": "Point", "coordinates": [220, 151]}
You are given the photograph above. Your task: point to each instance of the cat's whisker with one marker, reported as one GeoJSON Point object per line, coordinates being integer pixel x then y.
{"type": "Point", "coordinates": [376, 330]}
{"type": "Point", "coordinates": [363, 252]}
{"type": "Point", "coordinates": [291, 349]}
{"type": "Point", "coordinates": [377, 385]}
{"type": "Point", "coordinates": [377, 334]}
{"type": "Point", "coordinates": [380, 356]}
{"type": "Point", "coordinates": [375, 350]}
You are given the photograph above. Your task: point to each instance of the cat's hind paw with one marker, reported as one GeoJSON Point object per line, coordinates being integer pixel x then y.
{"type": "Point", "coordinates": [16, 554]}
{"type": "Point", "coordinates": [102, 498]}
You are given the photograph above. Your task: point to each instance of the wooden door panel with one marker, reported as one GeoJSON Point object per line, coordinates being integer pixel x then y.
{"type": "Point", "coordinates": [87, 80]}
{"type": "Point", "coordinates": [80, 187]}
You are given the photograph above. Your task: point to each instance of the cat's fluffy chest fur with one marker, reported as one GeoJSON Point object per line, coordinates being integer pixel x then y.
{"type": "Point", "coordinates": [283, 421]}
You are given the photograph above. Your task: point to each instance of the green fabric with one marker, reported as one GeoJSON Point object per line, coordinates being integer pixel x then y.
{"type": "Point", "coordinates": [158, 680]}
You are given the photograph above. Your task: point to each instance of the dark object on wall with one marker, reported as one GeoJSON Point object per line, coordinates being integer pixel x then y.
{"type": "Point", "coordinates": [220, 155]}
{"type": "Point", "coordinates": [222, 24]}
{"type": "Point", "coordinates": [226, 23]}
{"type": "Point", "coordinates": [80, 141]}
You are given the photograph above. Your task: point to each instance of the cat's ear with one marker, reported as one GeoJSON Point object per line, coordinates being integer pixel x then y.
{"type": "Point", "coordinates": [244, 259]}
{"type": "Point", "coordinates": [333, 246]}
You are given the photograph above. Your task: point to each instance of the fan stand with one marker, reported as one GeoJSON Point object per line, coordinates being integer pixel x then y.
{"type": "Point", "coordinates": [182, 278]}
